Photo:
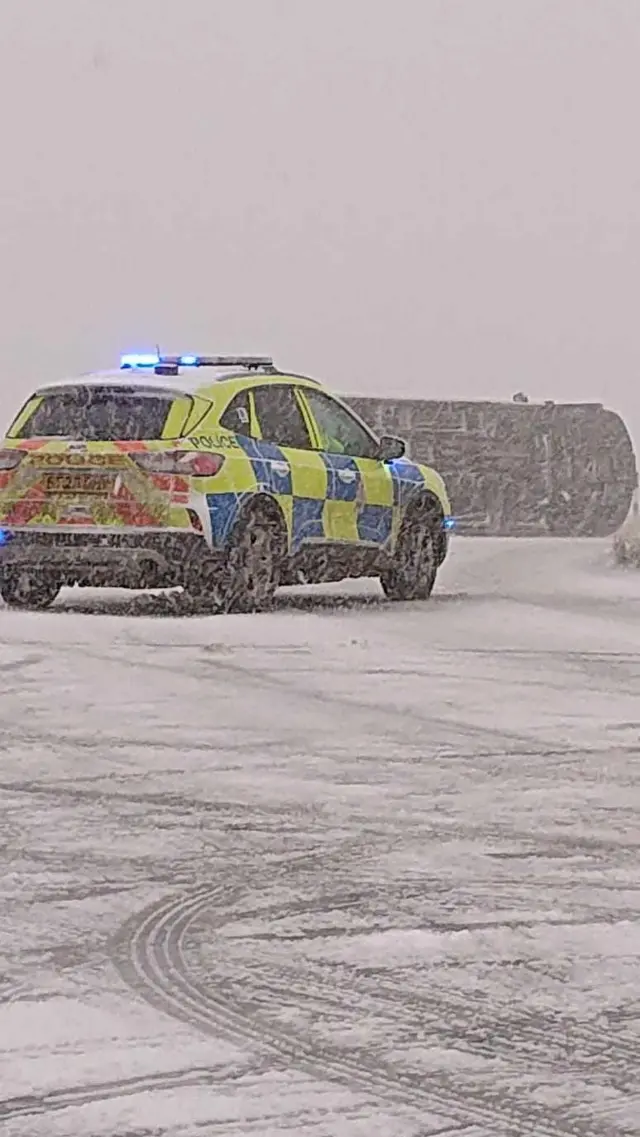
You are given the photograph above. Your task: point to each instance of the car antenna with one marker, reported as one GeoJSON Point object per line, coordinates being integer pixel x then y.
{"type": "Point", "coordinates": [167, 366]}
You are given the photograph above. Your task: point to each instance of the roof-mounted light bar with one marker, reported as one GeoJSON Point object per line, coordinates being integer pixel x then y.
{"type": "Point", "coordinates": [170, 362]}
{"type": "Point", "coordinates": [129, 361]}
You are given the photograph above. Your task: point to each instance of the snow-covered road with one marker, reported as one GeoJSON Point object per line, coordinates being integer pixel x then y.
{"type": "Point", "coordinates": [342, 870]}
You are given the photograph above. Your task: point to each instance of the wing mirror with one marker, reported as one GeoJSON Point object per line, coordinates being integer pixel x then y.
{"type": "Point", "coordinates": [391, 448]}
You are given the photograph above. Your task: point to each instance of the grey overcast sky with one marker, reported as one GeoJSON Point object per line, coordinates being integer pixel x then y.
{"type": "Point", "coordinates": [431, 197]}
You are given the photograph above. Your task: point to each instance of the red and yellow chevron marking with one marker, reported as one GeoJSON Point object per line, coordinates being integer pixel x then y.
{"type": "Point", "coordinates": [137, 498]}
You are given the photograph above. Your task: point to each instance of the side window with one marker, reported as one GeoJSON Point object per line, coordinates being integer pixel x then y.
{"type": "Point", "coordinates": [280, 416]}
{"type": "Point", "coordinates": [237, 416]}
{"type": "Point", "coordinates": [339, 431]}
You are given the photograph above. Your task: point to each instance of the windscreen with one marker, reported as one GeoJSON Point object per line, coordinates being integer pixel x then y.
{"type": "Point", "coordinates": [98, 414]}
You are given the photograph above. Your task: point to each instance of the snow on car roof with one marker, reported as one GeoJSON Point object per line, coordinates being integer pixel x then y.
{"type": "Point", "coordinates": [186, 381]}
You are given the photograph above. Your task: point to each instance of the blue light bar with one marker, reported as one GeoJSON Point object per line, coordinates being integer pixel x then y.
{"type": "Point", "coordinates": [153, 360]}
{"type": "Point", "coordinates": [135, 360]}
{"type": "Point", "coordinates": [127, 361]}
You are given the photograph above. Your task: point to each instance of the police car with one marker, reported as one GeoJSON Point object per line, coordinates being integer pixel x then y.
{"type": "Point", "coordinates": [221, 475]}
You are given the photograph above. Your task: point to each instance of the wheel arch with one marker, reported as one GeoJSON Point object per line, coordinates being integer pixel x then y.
{"type": "Point", "coordinates": [265, 505]}
{"type": "Point", "coordinates": [226, 510]}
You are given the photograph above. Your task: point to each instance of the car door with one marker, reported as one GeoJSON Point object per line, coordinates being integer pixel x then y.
{"type": "Point", "coordinates": [285, 461]}
{"type": "Point", "coordinates": [360, 488]}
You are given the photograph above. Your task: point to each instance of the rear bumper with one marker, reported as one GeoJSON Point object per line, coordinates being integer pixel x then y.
{"type": "Point", "coordinates": [75, 554]}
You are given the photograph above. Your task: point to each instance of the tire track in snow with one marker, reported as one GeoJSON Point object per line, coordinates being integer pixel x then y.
{"type": "Point", "coordinates": [402, 722]}
{"type": "Point", "coordinates": [30, 1105]}
{"type": "Point", "coordinates": [149, 954]}
{"type": "Point", "coordinates": [16, 666]}
{"type": "Point", "coordinates": [457, 1019]}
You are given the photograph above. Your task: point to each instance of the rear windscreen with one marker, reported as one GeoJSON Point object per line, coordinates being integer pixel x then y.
{"type": "Point", "coordinates": [98, 414]}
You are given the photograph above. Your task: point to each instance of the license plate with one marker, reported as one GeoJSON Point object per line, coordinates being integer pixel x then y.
{"type": "Point", "coordinates": [77, 483]}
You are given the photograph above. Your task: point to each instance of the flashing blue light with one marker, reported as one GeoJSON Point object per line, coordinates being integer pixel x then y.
{"type": "Point", "coordinates": [144, 359]}
{"type": "Point", "coordinates": [449, 523]}
{"type": "Point", "coordinates": [139, 361]}
{"type": "Point", "coordinates": [5, 537]}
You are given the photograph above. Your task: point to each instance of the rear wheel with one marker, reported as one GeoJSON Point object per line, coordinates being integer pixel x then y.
{"type": "Point", "coordinates": [28, 588]}
{"type": "Point", "coordinates": [246, 581]}
{"type": "Point", "coordinates": [255, 562]}
{"type": "Point", "coordinates": [413, 570]}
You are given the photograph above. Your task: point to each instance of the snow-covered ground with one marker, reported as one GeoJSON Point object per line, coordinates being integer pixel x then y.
{"type": "Point", "coordinates": [345, 870]}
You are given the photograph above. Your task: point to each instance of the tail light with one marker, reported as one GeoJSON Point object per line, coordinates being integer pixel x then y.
{"type": "Point", "coordinates": [9, 459]}
{"type": "Point", "coordinates": [188, 463]}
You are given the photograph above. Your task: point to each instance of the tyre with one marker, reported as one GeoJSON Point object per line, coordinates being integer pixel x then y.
{"type": "Point", "coordinates": [414, 567]}
{"type": "Point", "coordinates": [256, 555]}
{"type": "Point", "coordinates": [248, 578]}
{"type": "Point", "coordinates": [28, 588]}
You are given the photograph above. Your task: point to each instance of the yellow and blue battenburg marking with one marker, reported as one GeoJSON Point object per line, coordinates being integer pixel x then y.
{"type": "Point", "coordinates": [406, 477]}
{"type": "Point", "coordinates": [323, 496]}
{"type": "Point", "coordinates": [375, 524]}
{"type": "Point", "coordinates": [270, 465]}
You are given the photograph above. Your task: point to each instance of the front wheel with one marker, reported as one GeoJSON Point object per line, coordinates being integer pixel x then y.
{"type": "Point", "coordinates": [28, 588]}
{"type": "Point", "coordinates": [414, 567]}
